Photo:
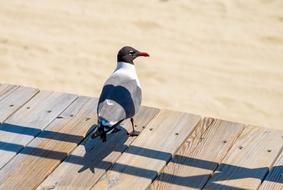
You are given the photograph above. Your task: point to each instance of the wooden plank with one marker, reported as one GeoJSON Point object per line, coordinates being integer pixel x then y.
{"type": "Point", "coordinates": [148, 154]}
{"type": "Point", "coordinates": [21, 127]}
{"type": "Point", "coordinates": [248, 161]}
{"type": "Point", "coordinates": [37, 160]}
{"type": "Point", "coordinates": [42, 109]}
{"type": "Point", "coordinates": [190, 169]}
{"type": "Point", "coordinates": [88, 162]}
{"type": "Point", "coordinates": [13, 99]}
{"type": "Point", "coordinates": [274, 179]}
{"type": "Point", "coordinates": [5, 89]}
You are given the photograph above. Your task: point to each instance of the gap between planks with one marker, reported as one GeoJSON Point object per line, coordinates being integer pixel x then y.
{"type": "Point", "coordinates": [32, 164]}
{"type": "Point", "coordinates": [193, 163]}
{"type": "Point", "coordinates": [95, 157]}
{"type": "Point", "coordinates": [249, 159]}
{"type": "Point", "coordinates": [13, 99]}
{"type": "Point", "coordinates": [274, 178]}
{"type": "Point", "coordinates": [26, 123]}
{"type": "Point", "coordinates": [224, 186]}
{"type": "Point", "coordinates": [150, 152]}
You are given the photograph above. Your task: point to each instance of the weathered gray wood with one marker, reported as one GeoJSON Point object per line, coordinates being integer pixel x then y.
{"type": "Point", "coordinates": [245, 165]}
{"type": "Point", "coordinates": [190, 169]}
{"type": "Point", "coordinates": [36, 161]}
{"type": "Point", "coordinates": [13, 98]}
{"type": "Point", "coordinates": [21, 127]}
{"type": "Point", "coordinates": [5, 89]}
{"type": "Point", "coordinates": [274, 180]}
{"type": "Point", "coordinates": [248, 161]}
{"type": "Point", "coordinates": [42, 109]}
{"type": "Point", "coordinates": [148, 154]}
{"type": "Point", "coordinates": [92, 158]}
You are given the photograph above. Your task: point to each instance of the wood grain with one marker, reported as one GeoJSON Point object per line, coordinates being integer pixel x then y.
{"type": "Point", "coordinates": [25, 124]}
{"type": "Point", "coordinates": [41, 129]}
{"type": "Point", "coordinates": [13, 99]}
{"type": "Point", "coordinates": [274, 180]}
{"type": "Point", "coordinates": [92, 158]}
{"type": "Point", "coordinates": [148, 154]}
{"type": "Point", "coordinates": [6, 89]}
{"type": "Point", "coordinates": [37, 160]}
{"type": "Point", "coordinates": [190, 169]}
{"type": "Point", "coordinates": [42, 109]}
{"type": "Point", "coordinates": [248, 161]}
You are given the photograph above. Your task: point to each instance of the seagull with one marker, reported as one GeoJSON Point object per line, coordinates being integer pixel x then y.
{"type": "Point", "coordinates": [121, 95]}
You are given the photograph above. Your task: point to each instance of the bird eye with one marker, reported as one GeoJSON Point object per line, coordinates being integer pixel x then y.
{"type": "Point", "coordinates": [131, 52]}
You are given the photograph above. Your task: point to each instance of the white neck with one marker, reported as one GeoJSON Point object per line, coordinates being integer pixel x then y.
{"type": "Point", "coordinates": [127, 69]}
{"type": "Point", "coordinates": [124, 65]}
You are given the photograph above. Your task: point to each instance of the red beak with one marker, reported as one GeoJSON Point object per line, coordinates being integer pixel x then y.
{"type": "Point", "coordinates": [144, 54]}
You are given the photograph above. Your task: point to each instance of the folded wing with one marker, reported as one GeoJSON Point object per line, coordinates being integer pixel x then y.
{"type": "Point", "coordinates": [120, 99]}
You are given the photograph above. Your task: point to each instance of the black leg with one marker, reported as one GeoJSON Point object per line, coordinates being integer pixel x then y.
{"type": "Point", "coordinates": [134, 132]}
{"type": "Point", "coordinates": [115, 130]}
{"type": "Point", "coordinates": [99, 133]}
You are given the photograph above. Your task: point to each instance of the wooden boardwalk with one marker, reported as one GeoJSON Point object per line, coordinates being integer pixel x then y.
{"type": "Point", "coordinates": [45, 144]}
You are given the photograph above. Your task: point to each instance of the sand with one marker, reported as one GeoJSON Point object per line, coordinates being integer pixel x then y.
{"type": "Point", "coordinates": [215, 58]}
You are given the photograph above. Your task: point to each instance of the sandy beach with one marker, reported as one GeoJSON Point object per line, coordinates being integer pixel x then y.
{"type": "Point", "coordinates": [215, 58]}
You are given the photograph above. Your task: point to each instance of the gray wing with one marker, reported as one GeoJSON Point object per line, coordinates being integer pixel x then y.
{"type": "Point", "coordinates": [120, 99]}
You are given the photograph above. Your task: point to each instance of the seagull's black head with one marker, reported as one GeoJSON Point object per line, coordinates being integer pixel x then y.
{"type": "Point", "coordinates": [128, 54]}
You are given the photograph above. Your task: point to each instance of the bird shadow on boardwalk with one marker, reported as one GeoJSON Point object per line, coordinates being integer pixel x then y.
{"type": "Point", "coordinates": [96, 151]}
